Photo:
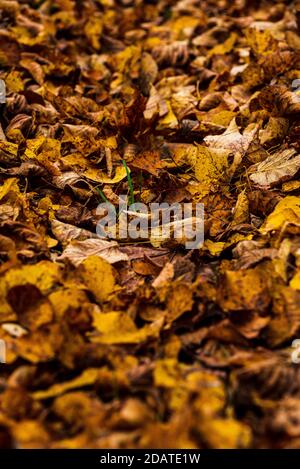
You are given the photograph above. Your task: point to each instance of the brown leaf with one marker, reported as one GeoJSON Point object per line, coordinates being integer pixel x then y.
{"type": "Point", "coordinates": [77, 251]}
{"type": "Point", "coordinates": [277, 168]}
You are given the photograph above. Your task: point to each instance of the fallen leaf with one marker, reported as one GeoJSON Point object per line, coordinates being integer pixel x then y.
{"type": "Point", "coordinates": [279, 167]}
{"type": "Point", "coordinates": [78, 251]}
{"type": "Point", "coordinates": [99, 277]}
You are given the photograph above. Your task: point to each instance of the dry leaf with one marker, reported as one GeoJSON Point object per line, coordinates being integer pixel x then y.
{"type": "Point", "coordinates": [78, 251]}
{"type": "Point", "coordinates": [279, 167]}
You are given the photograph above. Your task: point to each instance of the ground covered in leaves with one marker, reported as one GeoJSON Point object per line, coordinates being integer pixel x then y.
{"type": "Point", "coordinates": [132, 344]}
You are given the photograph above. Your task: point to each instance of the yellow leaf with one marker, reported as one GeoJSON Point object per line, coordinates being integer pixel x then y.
{"type": "Point", "coordinates": [226, 434]}
{"type": "Point", "coordinates": [290, 186]}
{"type": "Point", "coordinates": [295, 282]}
{"type": "Point", "coordinates": [179, 300]}
{"type": "Point", "coordinates": [127, 58]}
{"type": "Point", "coordinates": [168, 373]}
{"type": "Point", "coordinates": [275, 130]}
{"type": "Point", "coordinates": [119, 328]}
{"type": "Point", "coordinates": [169, 120]}
{"type": "Point", "coordinates": [67, 299]}
{"type": "Point", "coordinates": [30, 434]}
{"type": "Point", "coordinates": [241, 210]}
{"type": "Point", "coordinates": [246, 289]}
{"type": "Point", "coordinates": [39, 346]}
{"type": "Point", "coordinates": [42, 147]}
{"type": "Point", "coordinates": [98, 275]}
{"type": "Point", "coordinates": [87, 378]}
{"type": "Point", "coordinates": [261, 42]}
{"type": "Point", "coordinates": [215, 248]}
{"type": "Point", "coordinates": [44, 275]}
{"type": "Point", "coordinates": [221, 118]}
{"type": "Point", "coordinates": [9, 185]}
{"type": "Point", "coordinates": [285, 320]}
{"type": "Point", "coordinates": [286, 211]}
{"type": "Point", "coordinates": [93, 29]}
{"type": "Point", "coordinates": [100, 176]}
{"type": "Point", "coordinates": [224, 48]}
{"type": "Point", "coordinates": [14, 82]}
{"type": "Point", "coordinates": [111, 142]}
{"type": "Point", "coordinates": [8, 151]}
{"type": "Point", "coordinates": [184, 26]}
{"type": "Point", "coordinates": [210, 165]}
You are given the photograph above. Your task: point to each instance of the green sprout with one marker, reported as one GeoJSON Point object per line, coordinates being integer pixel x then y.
{"type": "Point", "coordinates": [130, 184]}
{"type": "Point", "coordinates": [101, 195]}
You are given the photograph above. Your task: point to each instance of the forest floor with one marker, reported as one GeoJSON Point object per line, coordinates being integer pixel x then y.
{"type": "Point", "coordinates": [144, 343]}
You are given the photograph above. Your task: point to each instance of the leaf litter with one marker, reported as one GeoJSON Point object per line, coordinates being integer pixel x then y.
{"type": "Point", "coordinates": [141, 344]}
